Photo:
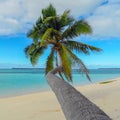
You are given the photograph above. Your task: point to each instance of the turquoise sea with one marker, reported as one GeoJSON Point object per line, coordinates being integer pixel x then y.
{"type": "Point", "coordinates": [23, 81]}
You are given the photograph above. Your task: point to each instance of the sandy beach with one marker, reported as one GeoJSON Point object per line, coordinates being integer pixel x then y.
{"type": "Point", "coordinates": [44, 105]}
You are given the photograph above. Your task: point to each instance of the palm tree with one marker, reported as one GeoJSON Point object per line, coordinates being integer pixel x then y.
{"type": "Point", "coordinates": [55, 33]}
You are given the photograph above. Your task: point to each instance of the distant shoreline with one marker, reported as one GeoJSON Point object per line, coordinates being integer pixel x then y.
{"type": "Point", "coordinates": [107, 68]}
{"type": "Point", "coordinates": [44, 68]}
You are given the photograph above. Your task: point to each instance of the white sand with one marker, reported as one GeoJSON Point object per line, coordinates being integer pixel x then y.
{"type": "Point", "coordinates": [44, 106]}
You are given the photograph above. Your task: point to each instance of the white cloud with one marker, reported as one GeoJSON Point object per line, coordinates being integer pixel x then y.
{"type": "Point", "coordinates": [8, 26]}
{"type": "Point", "coordinates": [77, 7]}
{"type": "Point", "coordinates": [11, 8]}
{"type": "Point", "coordinates": [105, 20]}
{"type": "Point", "coordinates": [15, 14]}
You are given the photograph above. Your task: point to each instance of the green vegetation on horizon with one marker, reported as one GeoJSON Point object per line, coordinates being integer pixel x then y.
{"type": "Point", "coordinates": [57, 32]}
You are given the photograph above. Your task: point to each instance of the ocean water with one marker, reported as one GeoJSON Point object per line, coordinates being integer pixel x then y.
{"type": "Point", "coordinates": [23, 81]}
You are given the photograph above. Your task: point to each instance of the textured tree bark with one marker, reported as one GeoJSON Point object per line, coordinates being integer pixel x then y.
{"type": "Point", "coordinates": [75, 106]}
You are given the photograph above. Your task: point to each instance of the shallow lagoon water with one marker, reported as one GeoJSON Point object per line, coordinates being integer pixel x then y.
{"type": "Point", "coordinates": [23, 81]}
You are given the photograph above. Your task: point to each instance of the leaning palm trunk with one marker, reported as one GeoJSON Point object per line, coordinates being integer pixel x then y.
{"type": "Point", "coordinates": [75, 106]}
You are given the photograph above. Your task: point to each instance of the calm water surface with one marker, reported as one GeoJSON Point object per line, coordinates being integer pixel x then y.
{"type": "Point", "coordinates": [22, 81]}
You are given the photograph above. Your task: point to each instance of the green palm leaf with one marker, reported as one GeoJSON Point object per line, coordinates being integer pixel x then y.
{"type": "Point", "coordinates": [65, 62]}
{"type": "Point", "coordinates": [66, 19]}
{"type": "Point", "coordinates": [50, 19]}
{"type": "Point", "coordinates": [79, 63]}
{"type": "Point", "coordinates": [48, 36]}
{"type": "Point", "coordinates": [34, 34]}
{"type": "Point", "coordinates": [49, 63]}
{"type": "Point", "coordinates": [29, 49]}
{"type": "Point", "coordinates": [49, 11]}
{"type": "Point", "coordinates": [79, 27]}
{"type": "Point", "coordinates": [36, 54]}
{"type": "Point", "coordinates": [80, 47]}
{"type": "Point", "coordinates": [52, 22]}
{"type": "Point", "coordinates": [58, 22]}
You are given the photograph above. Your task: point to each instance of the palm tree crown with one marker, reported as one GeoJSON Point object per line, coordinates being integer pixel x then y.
{"type": "Point", "coordinates": [57, 32]}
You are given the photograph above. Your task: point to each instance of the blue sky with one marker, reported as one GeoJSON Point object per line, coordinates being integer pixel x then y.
{"type": "Point", "coordinates": [20, 15]}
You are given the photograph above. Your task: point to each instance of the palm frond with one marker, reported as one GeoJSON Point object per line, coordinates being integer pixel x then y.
{"type": "Point", "coordinates": [39, 21]}
{"type": "Point", "coordinates": [78, 28]}
{"type": "Point", "coordinates": [49, 63]}
{"type": "Point", "coordinates": [66, 19]}
{"type": "Point", "coordinates": [29, 49]}
{"type": "Point", "coordinates": [48, 35]}
{"type": "Point", "coordinates": [49, 11]}
{"type": "Point", "coordinates": [41, 26]}
{"type": "Point", "coordinates": [53, 22]}
{"type": "Point", "coordinates": [58, 22]}
{"type": "Point", "coordinates": [80, 47]}
{"type": "Point", "coordinates": [65, 62]}
{"type": "Point", "coordinates": [79, 63]}
{"type": "Point", "coordinates": [51, 18]}
{"type": "Point", "coordinates": [34, 34]}
{"type": "Point", "coordinates": [36, 54]}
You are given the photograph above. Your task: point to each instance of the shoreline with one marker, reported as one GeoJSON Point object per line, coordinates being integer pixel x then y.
{"type": "Point", "coordinates": [24, 93]}
{"type": "Point", "coordinates": [44, 105]}
{"type": "Point", "coordinates": [49, 89]}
